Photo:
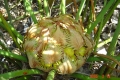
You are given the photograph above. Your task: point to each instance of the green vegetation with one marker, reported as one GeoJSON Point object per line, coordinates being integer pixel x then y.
{"type": "Point", "coordinates": [92, 23]}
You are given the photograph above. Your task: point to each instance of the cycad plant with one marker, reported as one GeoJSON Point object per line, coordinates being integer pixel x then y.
{"type": "Point", "coordinates": [57, 43]}
{"type": "Point", "coordinates": [60, 43]}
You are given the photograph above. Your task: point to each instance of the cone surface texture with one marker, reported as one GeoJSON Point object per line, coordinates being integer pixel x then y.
{"type": "Point", "coordinates": [57, 43]}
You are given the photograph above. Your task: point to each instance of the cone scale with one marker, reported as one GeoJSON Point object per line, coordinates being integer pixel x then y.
{"type": "Point", "coordinates": [57, 43]}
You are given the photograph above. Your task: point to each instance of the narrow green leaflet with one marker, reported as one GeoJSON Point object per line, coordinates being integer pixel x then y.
{"type": "Point", "coordinates": [46, 8]}
{"type": "Point", "coordinates": [62, 6]}
{"type": "Point", "coordinates": [51, 75]}
{"type": "Point", "coordinates": [9, 75]}
{"type": "Point", "coordinates": [94, 77]}
{"type": "Point", "coordinates": [13, 33]}
{"type": "Point", "coordinates": [8, 11]}
{"type": "Point", "coordinates": [100, 16]}
{"type": "Point", "coordinates": [12, 55]}
{"type": "Point", "coordinates": [113, 43]}
{"type": "Point", "coordinates": [29, 10]}
{"type": "Point", "coordinates": [80, 9]}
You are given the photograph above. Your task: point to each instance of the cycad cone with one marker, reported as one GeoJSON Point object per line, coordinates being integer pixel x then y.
{"type": "Point", "coordinates": [57, 43]}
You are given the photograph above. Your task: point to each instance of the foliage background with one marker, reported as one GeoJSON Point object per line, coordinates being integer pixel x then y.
{"type": "Point", "coordinates": [100, 18]}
